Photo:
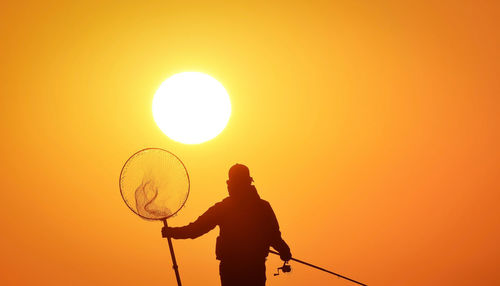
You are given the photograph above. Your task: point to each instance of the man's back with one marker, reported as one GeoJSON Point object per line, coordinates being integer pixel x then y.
{"type": "Point", "coordinates": [247, 229]}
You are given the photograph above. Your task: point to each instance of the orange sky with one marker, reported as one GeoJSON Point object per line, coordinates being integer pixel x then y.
{"type": "Point", "coordinates": [371, 128]}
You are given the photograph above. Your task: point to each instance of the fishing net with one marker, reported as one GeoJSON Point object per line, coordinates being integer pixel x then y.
{"type": "Point", "coordinates": [154, 184]}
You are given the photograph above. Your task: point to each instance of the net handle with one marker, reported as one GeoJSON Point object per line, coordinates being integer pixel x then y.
{"type": "Point", "coordinates": [172, 254]}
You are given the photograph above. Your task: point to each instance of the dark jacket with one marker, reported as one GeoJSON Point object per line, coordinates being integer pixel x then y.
{"type": "Point", "coordinates": [248, 227]}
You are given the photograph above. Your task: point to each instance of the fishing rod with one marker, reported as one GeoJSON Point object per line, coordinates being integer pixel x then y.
{"type": "Point", "coordinates": [314, 266]}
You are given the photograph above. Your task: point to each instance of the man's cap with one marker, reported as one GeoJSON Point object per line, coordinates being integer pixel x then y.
{"type": "Point", "coordinates": [239, 172]}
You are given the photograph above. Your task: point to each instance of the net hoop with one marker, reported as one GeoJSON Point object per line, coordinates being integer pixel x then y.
{"type": "Point", "coordinates": [121, 187]}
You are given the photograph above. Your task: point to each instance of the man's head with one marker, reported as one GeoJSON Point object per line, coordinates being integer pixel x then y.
{"type": "Point", "coordinates": [239, 176]}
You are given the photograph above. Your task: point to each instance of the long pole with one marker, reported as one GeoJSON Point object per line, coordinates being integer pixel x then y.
{"type": "Point", "coordinates": [174, 261]}
{"type": "Point", "coordinates": [322, 269]}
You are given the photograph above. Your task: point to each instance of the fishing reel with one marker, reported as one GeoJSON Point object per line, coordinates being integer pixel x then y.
{"type": "Point", "coordinates": [285, 268]}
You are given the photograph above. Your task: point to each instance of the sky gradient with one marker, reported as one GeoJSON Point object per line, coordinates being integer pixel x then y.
{"type": "Point", "coordinates": [371, 128]}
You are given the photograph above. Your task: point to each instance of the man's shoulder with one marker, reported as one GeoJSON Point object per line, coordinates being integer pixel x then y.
{"type": "Point", "coordinates": [229, 201]}
{"type": "Point", "coordinates": [216, 209]}
{"type": "Point", "coordinates": [221, 203]}
{"type": "Point", "coordinates": [265, 203]}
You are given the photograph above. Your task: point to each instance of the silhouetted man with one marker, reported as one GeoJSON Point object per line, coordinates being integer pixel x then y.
{"type": "Point", "coordinates": [248, 227]}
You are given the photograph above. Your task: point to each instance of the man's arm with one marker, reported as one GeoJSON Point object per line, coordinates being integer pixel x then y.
{"type": "Point", "coordinates": [202, 225]}
{"type": "Point", "coordinates": [277, 241]}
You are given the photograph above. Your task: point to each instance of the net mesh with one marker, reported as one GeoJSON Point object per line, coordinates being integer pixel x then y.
{"type": "Point", "coordinates": [154, 183]}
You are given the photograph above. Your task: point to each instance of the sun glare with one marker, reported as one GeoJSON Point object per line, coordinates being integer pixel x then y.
{"type": "Point", "coordinates": [191, 107]}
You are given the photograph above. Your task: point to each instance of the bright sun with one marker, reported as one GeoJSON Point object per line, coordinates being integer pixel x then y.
{"type": "Point", "coordinates": [191, 107]}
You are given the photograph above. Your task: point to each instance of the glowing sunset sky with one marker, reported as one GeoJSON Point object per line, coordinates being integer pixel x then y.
{"type": "Point", "coordinates": [371, 127]}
